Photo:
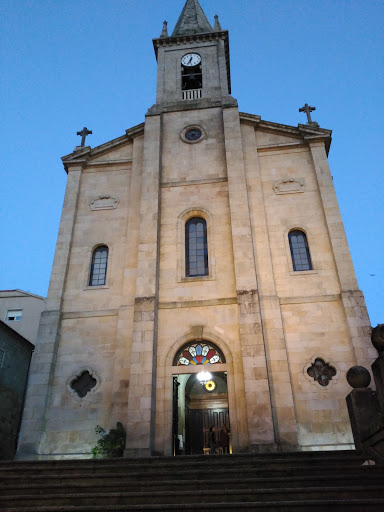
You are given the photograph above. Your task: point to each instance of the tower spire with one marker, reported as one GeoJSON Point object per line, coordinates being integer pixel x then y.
{"type": "Point", "coordinates": [217, 26]}
{"type": "Point", "coordinates": [192, 20]}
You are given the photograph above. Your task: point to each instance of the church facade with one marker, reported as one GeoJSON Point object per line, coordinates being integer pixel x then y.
{"type": "Point", "coordinates": [203, 241]}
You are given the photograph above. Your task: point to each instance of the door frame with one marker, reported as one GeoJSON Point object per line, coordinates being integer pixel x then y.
{"type": "Point", "coordinates": [235, 388]}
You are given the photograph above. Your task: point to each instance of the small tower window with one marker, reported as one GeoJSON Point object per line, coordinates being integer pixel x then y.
{"type": "Point", "coordinates": [301, 258]}
{"type": "Point", "coordinates": [191, 76]}
{"type": "Point", "coordinates": [196, 247]}
{"type": "Point", "coordinates": [99, 266]}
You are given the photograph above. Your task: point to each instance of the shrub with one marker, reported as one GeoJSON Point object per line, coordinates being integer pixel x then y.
{"type": "Point", "coordinates": [111, 444]}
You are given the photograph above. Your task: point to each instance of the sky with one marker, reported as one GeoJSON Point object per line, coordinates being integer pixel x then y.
{"type": "Point", "coordinates": [73, 63]}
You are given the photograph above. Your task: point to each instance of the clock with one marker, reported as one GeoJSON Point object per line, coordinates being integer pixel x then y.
{"type": "Point", "coordinates": [191, 59]}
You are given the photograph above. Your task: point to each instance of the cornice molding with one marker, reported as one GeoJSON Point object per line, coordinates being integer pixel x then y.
{"type": "Point", "coordinates": [190, 38]}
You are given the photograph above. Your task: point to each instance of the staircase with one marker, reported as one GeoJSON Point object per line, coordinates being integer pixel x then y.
{"type": "Point", "coordinates": [291, 482]}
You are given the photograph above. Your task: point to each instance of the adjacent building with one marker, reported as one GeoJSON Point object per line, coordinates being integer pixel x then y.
{"type": "Point", "coordinates": [21, 311]}
{"type": "Point", "coordinates": [15, 357]}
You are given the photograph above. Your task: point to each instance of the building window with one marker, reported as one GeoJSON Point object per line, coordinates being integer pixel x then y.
{"type": "Point", "coordinates": [196, 248]}
{"type": "Point", "coordinates": [191, 73]}
{"type": "Point", "coordinates": [321, 371]}
{"type": "Point", "coordinates": [191, 76]}
{"type": "Point", "coordinates": [301, 259]}
{"type": "Point", "coordinates": [197, 353]}
{"type": "Point", "coordinates": [2, 355]}
{"type": "Point", "coordinates": [99, 266]}
{"type": "Point", "coordinates": [83, 384]}
{"type": "Point", "coordinates": [14, 315]}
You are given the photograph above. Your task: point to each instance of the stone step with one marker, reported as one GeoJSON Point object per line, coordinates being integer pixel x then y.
{"type": "Point", "coordinates": [168, 472]}
{"type": "Point", "coordinates": [329, 456]}
{"type": "Point", "coordinates": [64, 485]}
{"type": "Point", "coordinates": [294, 482]}
{"type": "Point", "coordinates": [198, 496]}
{"type": "Point", "coordinates": [176, 464]}
{"type": "Point", "coordinates": [369, 505]}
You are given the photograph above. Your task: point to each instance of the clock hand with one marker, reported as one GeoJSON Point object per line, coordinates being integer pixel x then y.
{"type": "Point", "coordinates": [190, 60]}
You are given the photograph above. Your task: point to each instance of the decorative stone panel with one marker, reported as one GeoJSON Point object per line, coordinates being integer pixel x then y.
{"type": "Point", "coordinates": [104, 202]}
{"type": "Point", "coordinates": [289, 186]}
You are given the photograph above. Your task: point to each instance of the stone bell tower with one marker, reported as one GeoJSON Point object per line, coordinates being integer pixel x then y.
{"type": "Point", "coordinates": [193, 63]}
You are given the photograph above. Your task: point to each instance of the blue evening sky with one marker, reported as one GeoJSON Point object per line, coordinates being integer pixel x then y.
{"type": "Point", "coordinates": [73, 63]}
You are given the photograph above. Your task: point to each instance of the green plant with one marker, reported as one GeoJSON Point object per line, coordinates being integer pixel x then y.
{"type": "Point", "coordinates": [111, 444]}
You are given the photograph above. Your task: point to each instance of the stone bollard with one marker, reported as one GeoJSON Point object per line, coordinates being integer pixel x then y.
{"type": "Point", "coordinates": [377, 338]}
{"type": "Point", "coordinates": [365, 406]}
{"type": "Point", "coordinates": [362, 403]}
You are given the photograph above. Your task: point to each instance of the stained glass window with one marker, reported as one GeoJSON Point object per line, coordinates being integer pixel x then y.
{"type": "Point", "coordinates": [301, 259]}
{"type": "Point", "coordinates": [99, 266]}
{"type": "Point", "coordinates": [196, 247]}
{"type": "Point", "coordinates": [193, 134]}
{"type": "Point", "coordinates": [201, 353]}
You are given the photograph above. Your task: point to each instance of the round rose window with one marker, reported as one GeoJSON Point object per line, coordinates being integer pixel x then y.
{"type": "Point", "coordinates": [193, 134]}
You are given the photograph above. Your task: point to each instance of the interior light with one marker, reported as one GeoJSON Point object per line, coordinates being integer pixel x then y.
{"type": "Point", "coordinates": [204, 377]}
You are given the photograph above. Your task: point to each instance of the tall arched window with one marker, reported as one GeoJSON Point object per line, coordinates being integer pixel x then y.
{"type": "Point", "coordinates": [196, 248]}
{"type": "Point", "coordinates": [191, 76]}
{"type": "Point", "coordinates": [301, 259]}
{"type": "Point", "coordinates": [99, 266]}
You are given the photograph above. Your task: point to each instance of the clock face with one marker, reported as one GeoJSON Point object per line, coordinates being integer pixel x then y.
{"type": "Point", "coordinates": [191, 59]}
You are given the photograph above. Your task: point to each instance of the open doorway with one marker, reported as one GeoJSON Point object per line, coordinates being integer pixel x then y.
{"type": "Point", "coordinates": [197, 406]}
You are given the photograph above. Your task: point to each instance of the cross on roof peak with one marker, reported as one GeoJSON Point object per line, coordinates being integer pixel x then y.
{"type": "Point", "coordinates": [307, 109]}
{"type": "Point", "coordinates": [84, 132]}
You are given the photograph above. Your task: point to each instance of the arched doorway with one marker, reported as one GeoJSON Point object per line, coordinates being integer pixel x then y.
{"type": "Point", "coordinates": [199, 402]}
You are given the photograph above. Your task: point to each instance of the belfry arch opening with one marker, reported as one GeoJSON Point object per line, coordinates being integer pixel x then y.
{"type": "Point", "coordinates": [200, 400]}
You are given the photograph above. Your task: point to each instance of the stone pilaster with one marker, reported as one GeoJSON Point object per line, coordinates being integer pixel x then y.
{"type": "Point", "coordinates": [44, 358]}
{"type": "Point", "coordinates": [275, 343]}
{"type": "Point", "coordinates": [123, 353]}
{"type": "Point", "coordinates": [352, 298]}
{"type": "Point", "coordinates": [256, 378]}
{"type": "Point", "coordinates": [222, 68]}
{"type": "Point", "coordinates": [142, 384]}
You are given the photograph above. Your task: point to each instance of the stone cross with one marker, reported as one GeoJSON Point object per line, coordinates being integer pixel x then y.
{"type": "Point", "coordinates": [84, 132]}
{"type": "Point", "coordinates": [307, 109]}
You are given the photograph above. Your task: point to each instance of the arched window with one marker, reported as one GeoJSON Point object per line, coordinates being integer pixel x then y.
{"type": "Point", "coordinates": [191, 73]}
{"type": "Point", "coordinates": [191, 76]}
{"type": "Point", "coordinates": [301, 259]}
{"type": "Point", "coordinates": [199, 353]}
{"type": "Point", "coordinates": [99, 266]}
{"type": "Point", "coordinates": [196, 248]}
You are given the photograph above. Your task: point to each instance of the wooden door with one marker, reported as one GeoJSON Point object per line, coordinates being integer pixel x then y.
{"type": "Point", "coordinates": [198, 423]}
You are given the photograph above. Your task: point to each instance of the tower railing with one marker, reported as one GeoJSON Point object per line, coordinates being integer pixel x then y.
{"type": "Point", "coordinates": [192, 94]}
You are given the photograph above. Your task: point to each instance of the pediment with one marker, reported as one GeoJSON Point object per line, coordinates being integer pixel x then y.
{"type": "Point", "coordinates": [118, 153]}
{"type": "Point", "coordinates": [267, 138]}
{"type": "Point", "coordinates": [117, 150]}
{"type": "Point", "coordinates": [271, 134]}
